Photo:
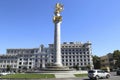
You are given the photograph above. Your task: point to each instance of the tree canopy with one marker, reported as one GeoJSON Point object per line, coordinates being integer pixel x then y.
{"type": "Point", "coordinates": [116, 56]}
{"type": "Point", "coordinates": [96, 62]}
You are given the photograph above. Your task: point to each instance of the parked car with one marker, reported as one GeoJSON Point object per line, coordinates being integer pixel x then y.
{"type": "Point", "coordinates": [118, 72]}
{"type": "Point", "coordinates": [96, 74]}
{"type": "Point", "coordinates": [6, 73]}
{"type": "Point", "coordinates": [3, 73]}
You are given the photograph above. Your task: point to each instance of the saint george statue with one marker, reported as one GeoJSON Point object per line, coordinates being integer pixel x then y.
{"type": "Point", "coordinates": [58, 8]}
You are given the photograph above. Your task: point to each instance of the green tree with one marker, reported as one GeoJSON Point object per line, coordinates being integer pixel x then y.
{"type": "Point", "coordinates": [76, 67]}
{"type": "Point", "coordinates": [88, 67]}
{"type": "Point", "coordinates": [96, 62]}
{"type": "Point", "coordinates": [116, 57]}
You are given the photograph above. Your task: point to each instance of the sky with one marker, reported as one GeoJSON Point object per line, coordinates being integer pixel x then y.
{"type": "Point", "coordinates": [28, 23]}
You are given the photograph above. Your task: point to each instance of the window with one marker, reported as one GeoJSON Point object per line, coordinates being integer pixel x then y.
{"type": "Point", "coordinates": [15, 61]}
{"type": "Point", "coordinates": [74, 64]}
{"type": "Point", "coordinates": [4, 61]}
{"type": "Point", "coordinates": [11, 61]}
{"type": "Point", "coordinates": [19, 67]}
{"type": "Point", "coordinates": [52, 56]}
{"type": "Point", "coordinates": [30, 63]}
{"type": "Point", "coordinates": [66, 63]}
{"type": "Point", "coordinates": [91, 71]}
{"type": "Point", "coordinates": [1, 61]}
{"type": "Point", "coordinates": [81, 63]}
{"type": "Point", "coordinates": [25, 59]}
{"type": "Point", "coordinates": [29, 67]}
{"type": "Point", "coordinates": [52, 60]}
{"type": "Point", "coordinates": [100, 71]}
{"type": "Point", "coordinates": [8, 61]}
{"type": "Point", "coordinates": [87, 49]}
{"type": "Point", "coordinates": [20, 63]}
{"type": "Point", "coordinates": [15, 65]}
{"type": "Point", "coordinates": [88, 59]}
{"type": "Point", "coordinates": [69, 52]}
{"type": "Point", "coordinates": [36, 60]}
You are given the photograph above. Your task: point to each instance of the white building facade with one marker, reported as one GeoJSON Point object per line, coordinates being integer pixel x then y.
{"type": "Point", "coordinates": [72, 54]}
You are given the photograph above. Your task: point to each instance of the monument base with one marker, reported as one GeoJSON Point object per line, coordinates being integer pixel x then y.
{"type": "Point", "coordinates": [57, 68]}
{"type": "Point", "coordinates": [53, 69]}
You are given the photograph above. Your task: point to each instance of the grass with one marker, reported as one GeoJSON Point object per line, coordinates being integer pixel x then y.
{"type": "Point", "coordinates": [28, 76]}
{"type": "Point", "coordinates": [81, 75]}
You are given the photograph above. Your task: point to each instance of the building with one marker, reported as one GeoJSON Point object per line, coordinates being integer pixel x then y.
{"type": "Point", "coordinates": [72, 53]}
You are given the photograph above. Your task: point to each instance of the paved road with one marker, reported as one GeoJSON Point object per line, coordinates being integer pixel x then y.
{"type": "Point", "coordinates": [85, 78]}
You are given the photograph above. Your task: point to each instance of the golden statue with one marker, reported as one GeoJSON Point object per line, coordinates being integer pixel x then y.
{"type": "Point", "coordinates": [58, 8]}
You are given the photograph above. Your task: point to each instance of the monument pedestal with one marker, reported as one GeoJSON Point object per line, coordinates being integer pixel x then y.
{"type": "Point", "coordinates": [57, 68]}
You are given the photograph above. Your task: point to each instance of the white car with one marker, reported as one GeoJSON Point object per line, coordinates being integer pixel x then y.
{"type": "Point", "coordinates": [3, 73]}
{"type": "Point", "coordinates": [6, 73]}
{"type": "Point", "coordinates": [96, 74]}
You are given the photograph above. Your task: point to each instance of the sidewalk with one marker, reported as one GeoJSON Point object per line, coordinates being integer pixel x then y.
{"type": "Point", "coordinates": [64, 76]}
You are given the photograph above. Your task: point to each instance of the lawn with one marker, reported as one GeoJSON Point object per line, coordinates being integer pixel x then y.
{"type": "Point", "coordinates": [81, 75]}
{"type": "Point", "coordinates": [28, 76]}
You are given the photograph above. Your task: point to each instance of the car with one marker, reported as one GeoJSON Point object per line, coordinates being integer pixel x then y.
{"type": "Point", "coordinates": [118, 72]}
{"type": "Point", "coordinates": [97, 74]}
{"type": "Point", "coordinates": [3, 73]}
{"type": "Point", "coordinates": [6, 73]}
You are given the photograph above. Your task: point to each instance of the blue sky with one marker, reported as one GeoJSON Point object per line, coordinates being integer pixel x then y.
{"type": "Point", "coordinates": [28, 23]}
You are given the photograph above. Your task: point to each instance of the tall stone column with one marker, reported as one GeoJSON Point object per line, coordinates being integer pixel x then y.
{"type": "Point", "coordinates": [57, 19]}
